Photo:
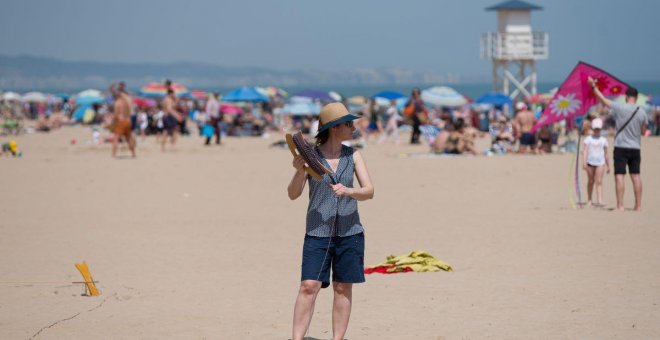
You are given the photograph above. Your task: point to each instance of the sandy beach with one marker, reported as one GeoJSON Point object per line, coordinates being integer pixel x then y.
{"type": "Point", "coordinates": [203, 243]}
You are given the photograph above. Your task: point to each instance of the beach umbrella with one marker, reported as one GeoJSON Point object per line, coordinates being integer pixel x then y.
{"type": "Point", "coordinates": [89, 97]}
{"type": "Point", "coordinates": [336, 96]}
{"type": "Point", "coordinates": [383, 98]}
{"type": "Point", "coordinates": [315, 95]}
{"type": "Point", "coordinates": [89, 93]}
{"type": "Point", "coordinates": [495, 99]}
{"type": "Point", "coordinates": [357, 100]}
{"type": "Point", "coordinates": [380, 101]}
{"type": "Point", "coordinates": [158, 90]}
{"type": "Point", "coordinates": [389, 95]}
{"type": "Point", "coordinates": [11, 96]}
{"type": "Point", "coordinates": [144, 102]}
{"type": "Point", "coordinates": [301, 109]}
{"type": "Point", "coordinates": [89, 100]}
{"type": "Point", "coordinates": [244, 94]}
{"type": "Point", "coordinates": [539, 98]}
{"type": "Point", "coordinates": [199, 94]}
{"type": "Point", "coordinates": [272, 91]}
{"type": "Point", "coordinates": [34, 97]}
{"type": "Point", "coordinates": [230, 109]}
{"type": "Point", "coordinates": [443, 96]}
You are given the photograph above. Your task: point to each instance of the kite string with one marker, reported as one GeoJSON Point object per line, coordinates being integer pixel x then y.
{"type": "Point", "coordinates": [571, 199]}
{"type": "Point", "coordinates": [577, 164]}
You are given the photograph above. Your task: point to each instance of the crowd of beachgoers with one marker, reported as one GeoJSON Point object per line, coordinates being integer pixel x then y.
{"type": "Point", "coordinates": [447, 123]}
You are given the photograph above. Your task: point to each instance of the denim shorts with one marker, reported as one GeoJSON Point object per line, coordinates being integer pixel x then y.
{"type": "Point", "coordinates": [344, 254]}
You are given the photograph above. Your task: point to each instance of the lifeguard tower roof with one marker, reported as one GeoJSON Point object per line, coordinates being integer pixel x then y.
{"type": "Point", "coordinates": [514, 5]}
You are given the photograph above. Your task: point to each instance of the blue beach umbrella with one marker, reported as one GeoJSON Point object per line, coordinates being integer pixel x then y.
{"type": "Point", "coordinates": [80, 112]}
{"type": "Point", "coordinates": [495, 99]}
{"type": "Point", "coordinates": [89, 100]}
{"type": "Point", "coordinates": [244, 94]}
{"type": "Point", "coordinates": [389, 95]}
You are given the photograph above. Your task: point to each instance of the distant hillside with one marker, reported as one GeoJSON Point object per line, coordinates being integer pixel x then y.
{"type": "Point", "coordinates": [39, 73]}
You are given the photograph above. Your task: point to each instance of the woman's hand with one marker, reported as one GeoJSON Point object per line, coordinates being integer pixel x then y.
{"type": "Point", "coordinates": [341, 190]}
{"type": "Point", "coordinates": [299, 163]}
{"type": "Point", "coordinates": [297, 183]}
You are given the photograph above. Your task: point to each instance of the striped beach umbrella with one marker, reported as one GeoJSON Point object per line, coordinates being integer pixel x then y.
{"type": "Point", "coordinates": [199, 94]}
{"type": "Point", "coordinates": [443, 96]}
{"type": "Point", "coordinates": [157, 90]}
{"type": "Point", "coordinates": [144, 102]}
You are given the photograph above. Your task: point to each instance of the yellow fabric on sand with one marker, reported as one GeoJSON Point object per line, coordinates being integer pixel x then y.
{"type": "Point", "coordinates": [417, 260]}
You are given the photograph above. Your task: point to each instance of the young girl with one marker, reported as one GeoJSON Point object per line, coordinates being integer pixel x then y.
{"type": "Point", "coordinates": [334, 239]}
{"type": "Point", "coordinates": [594, 157]}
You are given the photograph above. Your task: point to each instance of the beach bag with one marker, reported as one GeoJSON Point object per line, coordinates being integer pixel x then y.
{"type": "Point", "coordinates": [208, 131]}
{"type": "Point", "coordinates": [409, 110]}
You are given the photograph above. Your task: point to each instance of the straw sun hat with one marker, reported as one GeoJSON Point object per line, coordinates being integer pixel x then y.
{"type": "Point", "coordinates": [334, 114]}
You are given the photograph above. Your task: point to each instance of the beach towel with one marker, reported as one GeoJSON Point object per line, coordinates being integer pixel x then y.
{"type": "Point", "coordinates": [415, 261]}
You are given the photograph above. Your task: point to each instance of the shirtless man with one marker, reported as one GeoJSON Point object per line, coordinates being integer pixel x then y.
{"type": "Point", "coordinates": [523, 123]}
{"type": "Point", "coordinates": [170, 120]}
{"type": "Point", "coordinates": [122, 118]}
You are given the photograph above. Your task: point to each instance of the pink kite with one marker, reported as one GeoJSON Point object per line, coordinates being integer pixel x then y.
{"type": "Point", "coordinates": [575, 96]}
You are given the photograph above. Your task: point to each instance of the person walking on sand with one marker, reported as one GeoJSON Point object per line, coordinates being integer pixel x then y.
{"type": "Point", "coordinates": [630, 122]}
{"type": "Point", "coordinates": [334, 239]}
{"type": "Point", "coordinates": [391, 125]}
{"type": "Point", "coordinates": [594, 157]}
{"type": "Point", "coordinates": [416, 110]}
{"type": "Point", "coordinates": [122, 118]}
{"type": "Point", "coordinates": [171, 119]}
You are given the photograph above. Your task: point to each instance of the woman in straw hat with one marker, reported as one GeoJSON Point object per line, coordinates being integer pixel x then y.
{"type": "Point", "coordinates": [334, 235]}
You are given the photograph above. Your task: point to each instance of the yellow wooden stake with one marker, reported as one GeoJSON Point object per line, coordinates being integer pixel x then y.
{"type": "Point", "coordinates": [87, 276]}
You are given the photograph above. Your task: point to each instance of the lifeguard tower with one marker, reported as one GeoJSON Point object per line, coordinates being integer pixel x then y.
{"type": "Point", "coordinates": [514, 49]}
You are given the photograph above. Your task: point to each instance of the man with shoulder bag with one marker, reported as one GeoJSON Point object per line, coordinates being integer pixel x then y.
{"type": "Point", "coordinates": [631, 123]}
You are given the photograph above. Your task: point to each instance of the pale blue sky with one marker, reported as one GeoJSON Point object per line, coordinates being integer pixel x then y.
{"type": "Point", "coordinates": [426, 35]}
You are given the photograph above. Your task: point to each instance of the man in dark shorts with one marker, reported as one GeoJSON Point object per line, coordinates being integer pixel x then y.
{"type": "Point", "coordinates": [631, 123]}
{"type": "Point", "coordinates": [524, 122]}
{"type": "Point", "coordinates": [170, 119]}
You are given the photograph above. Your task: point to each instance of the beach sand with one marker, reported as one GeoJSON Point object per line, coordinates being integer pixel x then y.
{"type": "Point", "coordinates": [203, 243]}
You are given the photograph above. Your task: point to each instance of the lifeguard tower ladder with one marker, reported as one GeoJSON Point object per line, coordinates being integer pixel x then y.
{"type": "Point", "coordinates": [514, 49]}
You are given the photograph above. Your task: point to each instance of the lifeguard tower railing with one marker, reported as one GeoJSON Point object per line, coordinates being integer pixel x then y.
{"type": "Point", "coordinates": [514, 46]}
